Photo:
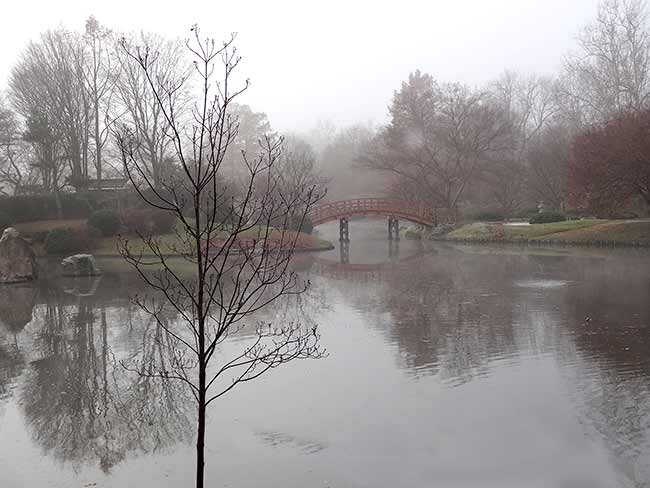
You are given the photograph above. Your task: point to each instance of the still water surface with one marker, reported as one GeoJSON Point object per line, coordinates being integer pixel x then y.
{"type": "Point", "coordinates": [452, 366]}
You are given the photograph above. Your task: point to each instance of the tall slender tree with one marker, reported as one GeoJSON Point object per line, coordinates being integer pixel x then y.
{"type": "Point", "coordinates": [48, 80]}
{"type": "Point", "coordinates": [238, 245]}
{"type": "Point", "coordinates": [101, 72]}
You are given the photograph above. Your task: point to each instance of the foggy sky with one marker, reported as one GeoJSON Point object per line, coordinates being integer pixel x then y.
{"type": "Point", "coordinates": [336, 59]}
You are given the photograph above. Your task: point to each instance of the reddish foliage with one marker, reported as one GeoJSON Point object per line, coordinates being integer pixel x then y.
{"type": "Point", "coordinates": [148, 221]}
{"type": "Point", "coordinates": [611, 164]}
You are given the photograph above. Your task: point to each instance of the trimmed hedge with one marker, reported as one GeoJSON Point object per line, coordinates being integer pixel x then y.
{"type": "Point", "coordinates": [106, 221]}
{"type": "Point", "coordinates": [526, 213]}
{"type": "Point", "coordinates": [483, 214]}
{"type": "Point", "coordinates": [547, 218]}
{"type": "Point", "coordinates": [489, 216]}
{"type": "Point", "coordinates": [28, 208]}
{"type": "Point", "coordinates": [65, 240]}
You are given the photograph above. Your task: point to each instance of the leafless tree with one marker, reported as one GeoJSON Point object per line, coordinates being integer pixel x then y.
{"type": "Point", "coordinates": [610, 70]}
{"type": "Point", "coordinates": [531, 103]}
{"type": "Point", "coordinates": [48, 81]}
{"type": "Point", "coordinates": [101, 72]}
{"type": "Point", "coordinates": [439, 139]}
{"type": "Point", "coordinates": [547, 159]}
{"type": "Point", "coordinates": [237, 262]}
{"type": "Point", "coordinates": [322, 135]}
{"type": "Point", "coordinates": [14, 152]}
{"type": "Point", "coordinates": [254, 127]}
{"type": "Point", "coordinates": [296, 167]}
{"type": "Point", "coordinates": [140, 109]}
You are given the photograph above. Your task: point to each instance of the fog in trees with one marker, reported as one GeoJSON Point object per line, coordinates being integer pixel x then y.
{"type": "Point", "coordinates": [151, 147]}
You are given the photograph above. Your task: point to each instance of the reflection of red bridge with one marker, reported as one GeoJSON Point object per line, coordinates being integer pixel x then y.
{"type": "Point", "coordinates": [393, 208]}
{"type": "Point", "coordinates": [364, 273]}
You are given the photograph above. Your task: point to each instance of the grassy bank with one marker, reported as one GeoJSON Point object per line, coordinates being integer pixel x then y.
{"type": "Point", "coordinates": [108, 246]}
{"type": "Point", "coordinates": [574, 232]}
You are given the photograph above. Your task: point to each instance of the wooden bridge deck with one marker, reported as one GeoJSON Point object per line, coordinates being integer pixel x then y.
{"type": "Point", "coordinates": [391, 207]}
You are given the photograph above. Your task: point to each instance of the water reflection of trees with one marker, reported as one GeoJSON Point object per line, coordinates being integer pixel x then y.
{"type": "Point", "coordinates": [450, 318]}
{"type": "Point", "coordinates": [452, 315]}
{"type": "Point", "coordinates": [11, 365]}
{"type": "Point", "coordinates": [16, 304]}
{"type": "Point", "coordinates": [82, 400]}
{"type": "Point", "coordinates": [82, 406]}
{"type": "Point", "coordinates": [608, 317]}
{"type": "Point", "coordinates": [447, 316]}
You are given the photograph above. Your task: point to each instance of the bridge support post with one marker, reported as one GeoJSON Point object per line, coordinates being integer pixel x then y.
{"type": "Point", "coordinates": [344, 230]}
{"type": "Point", "coordinates": [393, 228]}
{"type": "Point", "coordinates": [393, 250]}
{"type": "Point", "coordinates": [344, 252]}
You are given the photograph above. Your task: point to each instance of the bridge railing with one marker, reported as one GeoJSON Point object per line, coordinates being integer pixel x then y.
{"type": "Point", "coordinates": [388, 206]}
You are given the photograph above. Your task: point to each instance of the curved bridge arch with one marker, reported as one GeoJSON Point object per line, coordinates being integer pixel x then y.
{"type": "Point", "coordinates": [388, 207]}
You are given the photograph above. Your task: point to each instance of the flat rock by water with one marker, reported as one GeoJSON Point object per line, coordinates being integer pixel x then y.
{"type": "Point", "coordinates": [80, 265]}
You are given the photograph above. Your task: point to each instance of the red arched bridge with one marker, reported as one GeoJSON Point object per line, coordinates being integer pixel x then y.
{"type": "Point", "coordinates": [392, 208]}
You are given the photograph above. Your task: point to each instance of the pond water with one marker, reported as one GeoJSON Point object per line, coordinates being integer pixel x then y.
{"type": "Point", "coordinates": [448, 365]}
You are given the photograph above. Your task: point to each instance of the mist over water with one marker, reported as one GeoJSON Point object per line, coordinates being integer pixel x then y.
{"type": "Point", "coordinates": [448, 365]}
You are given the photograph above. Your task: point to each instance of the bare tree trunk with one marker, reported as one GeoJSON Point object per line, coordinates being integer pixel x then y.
{"type": "Point", "coordinates": [59, 208]}
{"type": "Point", "coordinates": [200, 436]}
{"type": "Point", "coordinates": [98, 161]}
{"type": "Point", "coordinates": [232, 278]}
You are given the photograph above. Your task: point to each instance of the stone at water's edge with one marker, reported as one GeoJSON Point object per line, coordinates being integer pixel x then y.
{"type": "Point", "coordinates": [80, 265]}
{"type": "Point", "coordinates": [17, 258]}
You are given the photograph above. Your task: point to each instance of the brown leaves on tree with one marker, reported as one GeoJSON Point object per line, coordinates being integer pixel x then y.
{"type": "Point", "coordinates": [611, 165]}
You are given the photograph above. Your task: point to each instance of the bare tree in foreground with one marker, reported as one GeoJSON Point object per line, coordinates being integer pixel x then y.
{"type": "Point", "coordinates": [234, 262]}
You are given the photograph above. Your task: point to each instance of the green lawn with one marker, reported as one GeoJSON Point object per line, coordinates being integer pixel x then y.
{"type": "Point", "coordinates": [169, 243]}
{"type": "Point", "coordinates": [573, 231]}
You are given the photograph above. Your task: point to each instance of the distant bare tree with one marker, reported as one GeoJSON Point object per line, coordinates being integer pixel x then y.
{"type": "Point", "coordinates": [142, 111]}
{"type": "Point", "coordinates": [531, 103]}
{"type": "Point", "coordinates": [254, 128]}
{"type": "Point", "coordinates": [322, 135]}
{"type": "Point", "coordinates": [238, 262]}
{"type": "Point", "coordinates": [101, 73]}
{"type": "Point", "coordinates": [48, 81]}
{"type": "Point", "coordinates": [610, 71]}
{"type": "Point", "coordinates": [547, 159]}
{"type": "Point", "coordinates": [439, 139]}
{"type": "Point", "coordinates": [14, 152]}
{"type": "Point", "coordinates": [296, 167]}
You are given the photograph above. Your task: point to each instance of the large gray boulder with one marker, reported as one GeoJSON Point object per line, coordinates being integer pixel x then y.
{"type": "Point", "coordinates": [80, 265]}
{"type": "Point", "coordinates": [17, 258]}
